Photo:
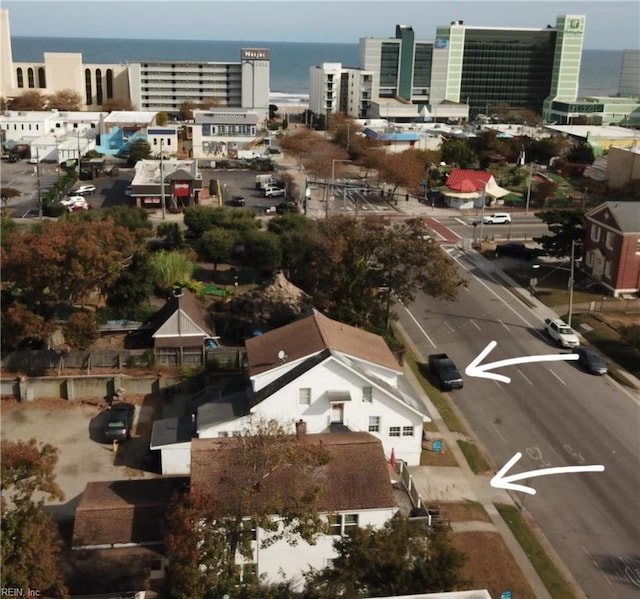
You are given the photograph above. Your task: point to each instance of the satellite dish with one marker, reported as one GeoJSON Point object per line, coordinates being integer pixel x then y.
{"type": "Point", "coordinates": [282, 356]}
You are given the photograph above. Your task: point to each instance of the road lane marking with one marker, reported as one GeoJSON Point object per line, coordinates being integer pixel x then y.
{"type": "Point", "coordinates": [554, 374]}
{"type": "Point", "coordinates": [498, 431]}
{"type": "Point", "coordinates": [446, 324]}
{"type": "Point", "coordinates": [462, 222]}
{"type": "Point", "coordinates": [475, 324]}
{"type": "Point", "coordinates": [504, 325]}
{"type": "Point", "coordinates": [418, 325]}
{"type": "Point", "coordinates": [523, 376]}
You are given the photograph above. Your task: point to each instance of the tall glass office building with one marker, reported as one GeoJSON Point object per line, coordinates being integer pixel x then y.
{"type": "Point", "coordinates": [524, 68]}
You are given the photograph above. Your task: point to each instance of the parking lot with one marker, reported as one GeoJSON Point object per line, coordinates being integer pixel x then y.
{"type": "Point", "coordinates": [75, 429]}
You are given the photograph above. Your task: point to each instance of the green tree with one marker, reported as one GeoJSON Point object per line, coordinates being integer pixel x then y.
{"type": "Point", "coordinates": [403, 558]}
{"type": "Point", "coordinates": [216, 245]}
{"type": "Point", "coordinates": [581, 153]}
{"type": "Point", "coordinates": [133, 218]}
{"type": "Point", "coordinates": [206, 530]}
{"type": "Point", "coordinates": [352, 259]}
{"type": "Point", "coordinates": [566, 226]}
{"type": "Point", "coordinates": [199, 219]}
{"type": "Point", "coordinates": [172, 233]}
{"type": "Point", "coordinates": [262, 249]}
{"type": "Point", "coordinates": [132, 289]}
{"type": "Point", "coordinates": [162, 118]}
{"type": "Point", "coordinates": [30, 542]}
{"type": "Point", "coordinates": [185, 110]}
{"type": "Point", "coordinates": [140, 150]}
{"type": "Point", "coordinates": [170, 267]}
{"type": "Point", "coordinates": [458, 151]}
{"type": "Point", "coordinates": [8, 227]}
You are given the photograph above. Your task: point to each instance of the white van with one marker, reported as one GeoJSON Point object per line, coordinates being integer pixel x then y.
{"type": "Point", "coordinates": [263, 181]}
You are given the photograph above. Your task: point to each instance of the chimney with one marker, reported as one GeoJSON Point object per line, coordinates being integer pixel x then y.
{"type": "Point", "coordinates": [301, 428]}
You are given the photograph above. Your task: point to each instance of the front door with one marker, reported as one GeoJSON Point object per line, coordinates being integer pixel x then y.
{"type": "Point", "coordinates": [337, 413]}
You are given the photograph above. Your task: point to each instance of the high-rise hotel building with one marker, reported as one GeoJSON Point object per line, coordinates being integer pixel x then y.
{"type": "Point", "coordinates": [525, 68]}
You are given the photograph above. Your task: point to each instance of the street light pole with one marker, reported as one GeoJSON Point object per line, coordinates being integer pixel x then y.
{"type": "Point", "coordinates": [333, 176]}
{"type": "Point", "coordinates": [39, 186]}
{"type": "Point", "coordinates": [484, 201]}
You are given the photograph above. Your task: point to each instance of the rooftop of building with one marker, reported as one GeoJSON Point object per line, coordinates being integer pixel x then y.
{"type": "Point", "coordinates": [595, 131]}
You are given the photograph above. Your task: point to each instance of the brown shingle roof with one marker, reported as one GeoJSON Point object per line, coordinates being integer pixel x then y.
{"type": "Point", "coordinates": [313, 334]}
{"type": "Point", "coordinates": [189, 304]}
{"type": "Point", "coordinates": [355, 478]}
{"type": "Point", "coordinates": [123, 511]}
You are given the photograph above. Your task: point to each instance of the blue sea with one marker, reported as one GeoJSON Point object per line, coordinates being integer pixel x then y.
{"type": "Point", "coordinates": [290, 61]}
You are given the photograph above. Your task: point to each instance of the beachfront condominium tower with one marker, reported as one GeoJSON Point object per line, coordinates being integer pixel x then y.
{"type": "Point", "coordinates": [165, 85]}
{"type": "Point", "coordinates": [524, 68]}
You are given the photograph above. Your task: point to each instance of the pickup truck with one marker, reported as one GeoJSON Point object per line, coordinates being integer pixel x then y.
{"type": "Point", "coordinates": [443, 368]}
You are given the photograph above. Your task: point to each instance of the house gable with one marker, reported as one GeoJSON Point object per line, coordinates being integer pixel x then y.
{"type": "Point", "coordinates": [180, 324]}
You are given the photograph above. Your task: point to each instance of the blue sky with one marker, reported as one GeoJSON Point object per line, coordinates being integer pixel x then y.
{"type": "Point", "coordinates": [610, 24]}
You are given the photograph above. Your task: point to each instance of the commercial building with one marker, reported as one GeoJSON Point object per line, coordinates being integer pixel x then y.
{"type": "Point", "coordinates": [468, 70]}
{"type": "Point", "coordinates": [630, 74]}
{"type": "Point", "coordinates": [162, 86]}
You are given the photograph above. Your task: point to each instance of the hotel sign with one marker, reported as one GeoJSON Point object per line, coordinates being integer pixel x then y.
{"type": "Point", "coordinates": [255, 54]}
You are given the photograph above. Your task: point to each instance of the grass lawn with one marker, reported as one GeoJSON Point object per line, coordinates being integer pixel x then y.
{"type": "Point", "coordinates": [544, 566]}
{"type": "Point", "coordinates": [464, 511]}
{"type": "Point", "coordinates": [490, 565]}
{"type": "Point", "coordinates": [474, 458]}
{"type": "Point", "coordinates": [607, 339]}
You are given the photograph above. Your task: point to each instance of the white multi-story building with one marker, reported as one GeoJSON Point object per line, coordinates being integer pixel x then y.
{"type": "Point", "coordinates": [220, 131]}
{"type": "Point", "coordinates": [165, 85]}
{"type": "Point", "coordinates": [334, 88]}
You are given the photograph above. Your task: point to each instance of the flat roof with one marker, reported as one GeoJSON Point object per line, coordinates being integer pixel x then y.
{"type": "Point", "coordinates": [596, 131]}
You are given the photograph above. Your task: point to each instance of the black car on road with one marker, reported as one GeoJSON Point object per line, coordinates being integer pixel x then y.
{"type": "Point", "coordinates": [590, 360]}
{"type": "Point", "coordinates": [237, 201]}
{"type": "Point", "coordinates": [120, 423]}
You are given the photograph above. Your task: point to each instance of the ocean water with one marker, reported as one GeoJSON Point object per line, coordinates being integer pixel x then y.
{"type": "Point", "coordinates": [290, 61]}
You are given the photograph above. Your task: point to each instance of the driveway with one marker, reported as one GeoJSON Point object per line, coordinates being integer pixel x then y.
{"type": "Point", "coordinates": [74, 429]}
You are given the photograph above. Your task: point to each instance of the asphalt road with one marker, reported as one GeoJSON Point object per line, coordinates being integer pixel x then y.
{"type": "Point", "coordinates": [555, 415]}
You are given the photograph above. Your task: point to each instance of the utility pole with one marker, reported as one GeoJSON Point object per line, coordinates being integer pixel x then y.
{"type": "Point", "coordinates": [164, 208]}
{"type": "Point", "coordinates": [38, 183]}
{"type": "Point", "coordinates": [526, 210]}
{"type": "Point", "coordinates": [573, 245]}
{"type": "Point", "coordinates": [484, 201]}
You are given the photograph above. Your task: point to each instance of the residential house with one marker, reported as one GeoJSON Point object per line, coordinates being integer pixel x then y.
{"type": "Point", "coordinates": [333, 376]}
{"type": "Point", "coordinates": [117, 541]}
{"type": "Point", "coordinates": [467, 189]}
{"type": "Point", "coordinates": [180, 330]}
{"type": "Point", "coordinates": [612, 246]}
{"type": "Point", "coordinates": [355, 490]}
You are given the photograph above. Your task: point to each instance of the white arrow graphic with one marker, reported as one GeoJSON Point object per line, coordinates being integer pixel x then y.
{"type": "Point", "coordinates": [500, 481]}
{"type": "Point", "coordinates": [481, 371]}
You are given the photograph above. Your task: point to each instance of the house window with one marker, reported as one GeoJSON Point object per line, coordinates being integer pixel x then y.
{"type": "Point", "coordinates": [340, 524]}
{"type": "Point", "coordinates": [223, 434]}
{"type": "Point", "coordinates": [237, 433]}
{"type": "Point", "coordinates": [155, 141]}
{"type": "Point", "coordinates": [367, 394]}
{"type": "Point", "coordinates": [595, 233]}
{"type": "Point", "coordinates": [249, 530]}
{"type": "Point", "coordinates": [609, 240]}
{"type": "Point", "coordinates": [374, 424]}
{"type": "Point", "coordinates": [638, 246]}
{"type": "Point", "coordinates": [42, 82]}
{"type": "Point", "coordinates": [607, 269]}
{"type": "Point", "coordinates": [407, 431]}
{"type": "Point", "coordinates": [30, 78]}
{"type": "Point", "coordinates": [20, 77]}
{"type": "Point", "coordinates": [304, 396]}
{"type": "Point", "coordinates": [394, 431]}
{"type": "Point", "coordinates": [248, 573]}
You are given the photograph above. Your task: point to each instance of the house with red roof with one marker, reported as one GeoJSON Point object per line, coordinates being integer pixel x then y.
{"type": "Point", "coordinates": [466, 188]}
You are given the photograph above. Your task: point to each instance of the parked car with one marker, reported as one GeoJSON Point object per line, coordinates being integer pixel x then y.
{"type": "Point", "coordinates": [590, 360]}
{"type": "Point", "coordinates": [287, 208]}
{"type": "Point", "coordinates": [517, 250]}
{"type": "Point", "coordinates": [83, 190]}
{"type": "Point", "coordinates": [238, 201]}
{"type": "Point", "coordinates": [444, 369]}
{"type": "Point", "coordinates": [72, 200]}
{"type": "Point", "coordinates": [561, 332]}
{"type": "Point", "coordinates": [79, 206]}
{"type": "Point", "coordinates": [120, 423]}
{"type": "Point", "coordinates": [497, 218]}
{"type": "Point", "coordinates": [272, 192]}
